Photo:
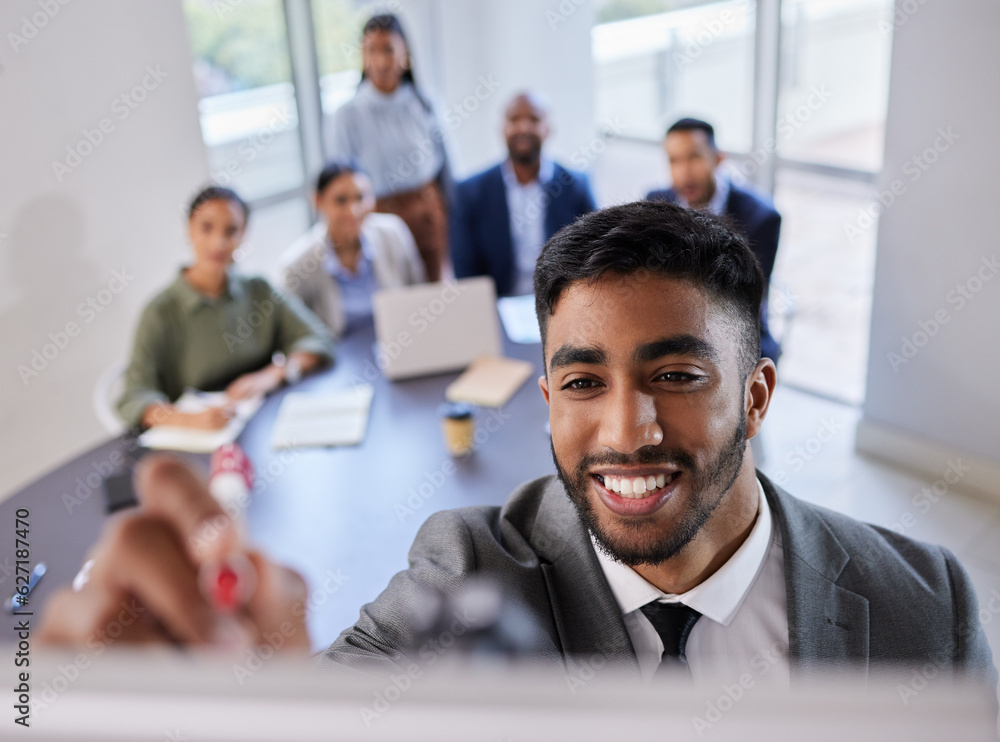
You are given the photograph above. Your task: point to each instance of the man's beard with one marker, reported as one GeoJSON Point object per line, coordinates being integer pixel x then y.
{"type": "Point", "coordinates": [528, 154]}
{"type": "Point", "coordinates": [645, 541]}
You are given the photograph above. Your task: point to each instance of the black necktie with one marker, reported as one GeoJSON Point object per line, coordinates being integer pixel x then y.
{"type": "Point", "coordinates": [673, 622]}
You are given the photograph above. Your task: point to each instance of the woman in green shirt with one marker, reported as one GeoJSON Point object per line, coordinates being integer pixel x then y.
{"type": "Point", "coordinates": [213, 329]}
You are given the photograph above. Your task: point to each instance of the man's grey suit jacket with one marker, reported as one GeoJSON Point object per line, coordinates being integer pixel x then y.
{"type": "Point", "coordinates": [858, 596]}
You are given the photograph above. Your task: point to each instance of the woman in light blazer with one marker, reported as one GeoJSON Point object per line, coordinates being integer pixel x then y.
{"type": "Point", "coordinates": [337, 265]}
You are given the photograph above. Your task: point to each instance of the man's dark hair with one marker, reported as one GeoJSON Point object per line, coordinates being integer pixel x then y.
{"type": "Point", "coordinates": [664, 239]}
{"type": "Point", "coordinates": [213, 193]}
{"type": "Point", "coordinates": [689, 124]}
{"type": "Point", "coordinates": [333, 170]}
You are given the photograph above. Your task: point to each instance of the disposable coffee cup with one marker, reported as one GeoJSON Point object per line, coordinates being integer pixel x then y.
{"type": "Point", "coordinates": [459, 426]}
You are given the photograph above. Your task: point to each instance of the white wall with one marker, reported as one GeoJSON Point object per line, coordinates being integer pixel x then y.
{"type": "Point", "coordinates": [515, 44]}
{"type": "Point", "coordinates": [118, 209]}
{"type": "Point", "coordinates": [937, 389]}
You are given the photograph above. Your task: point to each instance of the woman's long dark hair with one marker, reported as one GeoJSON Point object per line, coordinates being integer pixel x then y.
{"type": "Point", "coordinates": [389, 22]}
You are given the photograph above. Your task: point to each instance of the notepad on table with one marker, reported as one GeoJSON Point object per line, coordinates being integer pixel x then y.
{"type": "Point", "coordinates": [489, 381]}
{"type": "Point", "coordinates": [323, 419]}
{"type": "Point", "coordinates": [192, 440]}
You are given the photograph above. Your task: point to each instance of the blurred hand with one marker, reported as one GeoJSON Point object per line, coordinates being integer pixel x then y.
{"type": "Point", "coordinates": [214, 418]}
{"type": "Point", "coordinates": [256, 384]}
{"type": "Point", "coordinates": [143, 582]}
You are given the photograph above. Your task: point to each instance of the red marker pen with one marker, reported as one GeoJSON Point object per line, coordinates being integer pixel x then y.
{"type": "Point", "coordinates": [229, 582]}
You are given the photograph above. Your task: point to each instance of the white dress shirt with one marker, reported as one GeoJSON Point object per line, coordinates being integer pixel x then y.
{"type": "Point", "coordinates": [717, 204]}
{"type": "Point", "coordinates": [527, 204]}
{"type": "Point", "coordinates": [743, 630]}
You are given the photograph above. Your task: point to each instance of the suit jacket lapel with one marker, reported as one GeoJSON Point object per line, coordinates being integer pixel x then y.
{"type": "Point", "coordinates": [827, 623]}
{"type": "Point", "coordinates": [503, 258]}
{"type": "Point", "coordinates": [587, 617]}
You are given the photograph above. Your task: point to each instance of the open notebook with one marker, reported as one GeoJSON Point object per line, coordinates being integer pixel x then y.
{"type": "Point", "coordinates": [323, 419]}
{"type": "Point", "coordinates": [175, 438]}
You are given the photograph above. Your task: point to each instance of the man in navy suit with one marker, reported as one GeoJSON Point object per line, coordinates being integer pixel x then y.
{"type": "Point", "coordinates": [700, 184]}
{"type": "Point", "coordinates": [501, 217]}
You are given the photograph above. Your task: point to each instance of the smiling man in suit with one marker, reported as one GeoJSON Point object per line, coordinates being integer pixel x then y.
{"type": "Point", "coordinates": [658, 545]}
{"type": "Point", "coordinates": [501, 217]}
{"type": "Point", "coordinates": [699, 183]}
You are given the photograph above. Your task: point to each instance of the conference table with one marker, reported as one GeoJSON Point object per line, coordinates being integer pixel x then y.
{"type": "Point", "coordinates": [343, 517]}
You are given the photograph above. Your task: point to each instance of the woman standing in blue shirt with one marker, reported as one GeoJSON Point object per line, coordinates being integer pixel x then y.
{"type": "Point", "coordinates": [392, 132]}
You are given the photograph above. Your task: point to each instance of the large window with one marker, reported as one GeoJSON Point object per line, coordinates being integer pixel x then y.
{"type": "Point", "coordinates": [696, 59]}
{"type": "Point", "coordinates": [827, 81]}
{"type": "Point", "coordinates": [338, 48]}
{"type": "Point", "coordinates": [806, 110]}
{"type": "Point", "coordinates": [834, 81]}
{"type": "Point", "coordinates": [249, 118]}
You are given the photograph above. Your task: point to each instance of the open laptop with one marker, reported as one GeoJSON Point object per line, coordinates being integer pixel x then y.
{"type": "Point", "coordinates": [435, 328]}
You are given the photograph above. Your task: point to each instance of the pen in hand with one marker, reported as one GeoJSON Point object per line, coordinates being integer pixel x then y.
{"type": "Point", "coordinates": [228, 580]}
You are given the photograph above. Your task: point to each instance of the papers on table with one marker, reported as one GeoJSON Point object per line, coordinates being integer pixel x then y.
{"type": "Point", "coordinates": [176, 438]}
{"type": "Point", "coordinates": [323, 419]}
{"type": "Point", "coordinates": [519, 321]}
{"type": "Point", "coordinates": [489, 381]}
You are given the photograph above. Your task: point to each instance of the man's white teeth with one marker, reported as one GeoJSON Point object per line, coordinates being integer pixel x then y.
{"type": "Point", "coordinates": [636, 487]}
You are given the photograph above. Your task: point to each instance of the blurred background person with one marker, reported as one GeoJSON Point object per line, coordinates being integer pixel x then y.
{"type": "Point", "coordinates": [501, 217]}
{"type": "Point", "coordinates": [213, 329]}
{"type": "Point", "coordinates": [699, 183]}
{"type": "Point", "coordinates": [390, 129]}
{"type": "Point", "coordinates": [350, 252]}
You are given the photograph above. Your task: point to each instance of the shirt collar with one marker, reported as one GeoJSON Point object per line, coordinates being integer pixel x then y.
{"type": "Point", "coordinates": [717, 204]}
{"type": "Point", "coordinates": [332, 262]}
{"type": "Point", "coordinates": [546, 171]}
{"type": "Point", "coordinates": [718, 597]}
{"type": "Point", "coordinates": [191, 299]}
